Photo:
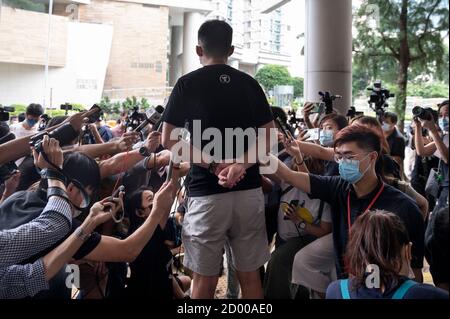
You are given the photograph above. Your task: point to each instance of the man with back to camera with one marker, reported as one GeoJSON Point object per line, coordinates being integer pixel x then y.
{"type": "Point", "coordinates": [222, 206]}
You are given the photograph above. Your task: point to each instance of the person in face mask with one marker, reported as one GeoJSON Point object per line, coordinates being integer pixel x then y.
{"type": "Point", "coordinates": [391, 252]}
{"type": "Point", "coordinates": [330, 125]}
{"type": "Point", "coordinates": [438, 147]}
{"type": "Point", "coordinates": [28, 126]}
{"type": "Point", "coordinates": [358, 189]}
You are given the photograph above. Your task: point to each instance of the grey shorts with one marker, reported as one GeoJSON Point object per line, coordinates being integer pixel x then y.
{"type": "Point", "coordinates": [237, 217]}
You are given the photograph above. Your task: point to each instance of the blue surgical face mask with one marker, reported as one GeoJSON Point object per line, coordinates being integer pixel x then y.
{"type": "Point", "coordinates": [326, 137]}
{"type": "Point", "coordinates": [386, 127]}
{"type": "Point", "coordinates": [31, 122]}
{"type": "Point", "coordinates": [443, 123]}
{"type": "Point", "coordinates": [349, 170]}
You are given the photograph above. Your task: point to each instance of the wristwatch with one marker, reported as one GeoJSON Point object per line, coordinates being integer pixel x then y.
{"type": "Point", "coordinates": [81, 234]}
{"type": "Point", "coordinates": [302, 225]}
{"type": "Point", "coordinates": [47, 173]}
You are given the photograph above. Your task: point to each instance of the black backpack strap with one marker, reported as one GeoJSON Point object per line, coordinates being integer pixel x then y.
{"type": "Point", "coordinates": [321, 207]}
{"type": "Point", "coordinates": [286, 190]}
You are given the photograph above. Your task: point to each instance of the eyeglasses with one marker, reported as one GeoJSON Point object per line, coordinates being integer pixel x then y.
{"type": "Point", "coordinates": [348, 157]}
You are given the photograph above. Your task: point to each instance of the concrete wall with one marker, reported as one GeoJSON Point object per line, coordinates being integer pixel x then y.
{"type": "Point", "coordinates": [80, 81]}
{"type": "Point", "coordinates": [24, 34]}
{"type": "Point", "coordinates": [139, 47]}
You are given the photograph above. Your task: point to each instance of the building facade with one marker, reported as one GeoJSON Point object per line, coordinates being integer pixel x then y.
{"type": "Point", "coordinates": [121, 48]}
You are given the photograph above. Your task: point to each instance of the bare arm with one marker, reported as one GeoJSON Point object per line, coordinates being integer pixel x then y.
{"type": "Point", "coordinates": [317, 151]}
{"type": "Point", "coordinates": [111, 249]}
{"type": "Point", "coordinates": [296, 179]}
{"type": "Point", "coordinates": [421, 149]}
{"type": "Point", "coordinates": [441, 147]}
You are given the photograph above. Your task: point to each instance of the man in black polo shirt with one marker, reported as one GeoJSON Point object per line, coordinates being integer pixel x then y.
{"type": "Point", "coordinates": [357, 190]}
{"type": "Point", "coordinates": [221, 98]}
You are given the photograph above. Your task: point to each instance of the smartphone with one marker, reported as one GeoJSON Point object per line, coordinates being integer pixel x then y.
{"type": "Point", "coordinates": [286, 133]}
{"type": "Point", "coordinates": [319, 107]}
{"type": "Point", "coordinates": [159, 127]}
{"type": "Point", "coordinates": [169, 172]}
{"type": "Point", "coordinates": [120, 213]}
{"type": "Point", "coordinates": [313, 134]}
{"type": "Point", "coordinates": [293, 204]}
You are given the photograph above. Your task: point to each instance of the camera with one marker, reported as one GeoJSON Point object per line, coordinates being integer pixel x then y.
{"type": "Point", "coordinates": [4, 112]}
{"type": "Point", "coordinates": [426, 114]}
{"type": "Point", "coordinates": [378, 99]}
{"type": "Point", "coordinates": [64, 134]}
{"type": "Point", "coordinates": [327, 99]}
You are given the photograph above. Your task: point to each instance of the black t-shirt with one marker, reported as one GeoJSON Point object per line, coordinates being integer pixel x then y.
{"type": "Point", "coordinates": [397, 144]}
{"type": "Point", "coordinates": [331, 168]}
{"type": "Point", "coordinates": [221, 97]}
{"type": "Point", "coordinates": [334, 190]}
{"type": "Point", "coordinates": [28, 174]}
{"type": "Point", "coordinates": [391, 167]}
{"type": "Point", "coordinates": [151, 270]}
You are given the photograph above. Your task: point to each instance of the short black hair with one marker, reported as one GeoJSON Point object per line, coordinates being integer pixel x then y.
{"type": "Point", "coordinates": [391, 116]}
{"type": "Point", "coordinates": [215, 37]}
{"type": "Point", "coordinates": [57, 120]}
{"type": "Point", "coordinates": [34, 109]}
{"type": "Point", "coordinates": [82, 168]}
{"type": "Point", "coordinates": [339, 120]}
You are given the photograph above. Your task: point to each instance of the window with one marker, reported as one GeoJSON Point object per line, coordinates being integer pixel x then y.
{"type": "Point", "coordinates": [230, 11]}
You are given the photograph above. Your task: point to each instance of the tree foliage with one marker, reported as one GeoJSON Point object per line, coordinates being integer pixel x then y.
{"type": "Point", "coordinates": [272, 75]}
{"type": "Point", "coordinates": [406, 43]}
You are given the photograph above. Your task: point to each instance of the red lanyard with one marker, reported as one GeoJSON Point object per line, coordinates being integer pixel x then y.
{"type": "Point", "coordinates": [367, 209]}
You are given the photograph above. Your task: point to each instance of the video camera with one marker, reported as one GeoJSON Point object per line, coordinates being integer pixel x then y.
{"type": "Point", "coordinates": [327, 98]}
{"type": "Point", "coordinates": [4, 112]}
{"type": "Point", "coordinates": [378, 99]}
{"type": "Point", "coordinates": [64, 134]}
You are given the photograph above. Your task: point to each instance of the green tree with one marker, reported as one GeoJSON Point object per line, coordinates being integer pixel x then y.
{"type": "Point", "coordinates": [409, 38]}
{"type": "Point", "coordinates": [298, 84]}
{"type": "Point", "coordinates": [271, 75]}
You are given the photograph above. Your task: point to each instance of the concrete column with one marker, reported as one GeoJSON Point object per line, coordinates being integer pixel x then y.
{"type": "Point", "coordinates": [329, 50]}
{"type": "Point", "coordinates": [176, 47]}
{"type": "Point", "coordinates": [192, 22]}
